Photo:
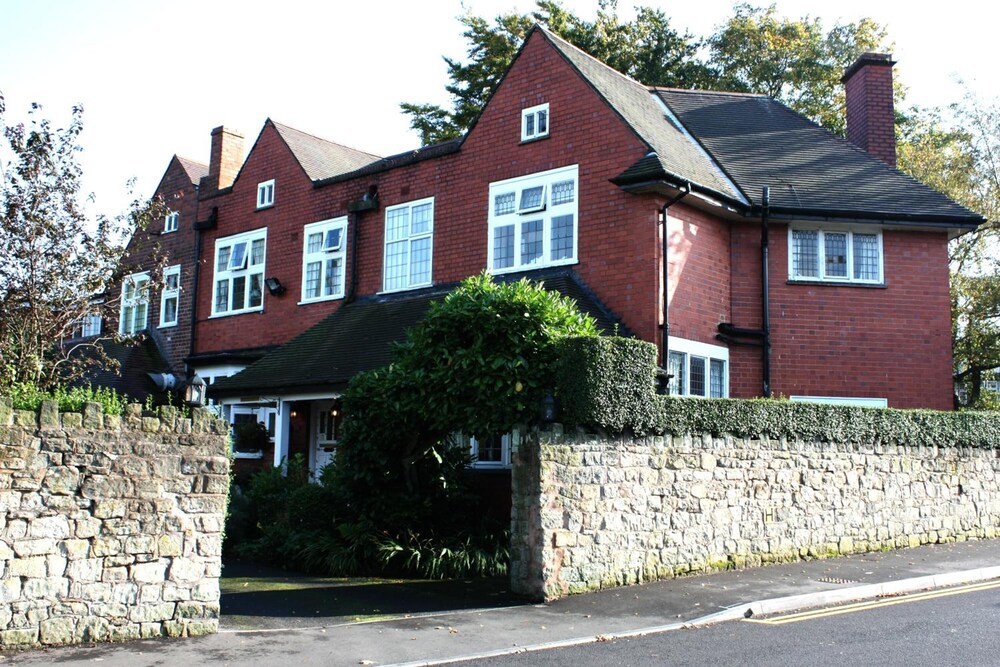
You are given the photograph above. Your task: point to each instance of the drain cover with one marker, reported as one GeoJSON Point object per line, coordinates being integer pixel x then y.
{"type": "Point", "coordinates": [837, 580]}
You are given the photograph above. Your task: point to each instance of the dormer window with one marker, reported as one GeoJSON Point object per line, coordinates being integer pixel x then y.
{"type": "Point", "coordinates": [265, 194]}
{"type": "Point", "coordinates": [170, 223]}
{"type": "Point", "coordinates": [535, 122]}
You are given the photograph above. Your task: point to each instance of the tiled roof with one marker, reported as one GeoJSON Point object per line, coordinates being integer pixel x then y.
{"type": "Point", "coordinates": [401, 160]}
{"type": "Point", "coordinates": [322, 159]}
{"type": "Point", "coordinates": [359, 337]}
{"type": "Point", "coordinates": [195, 170]}
{"type": "Point", "coordinates": [760, 141]}
{"type": "Point", "coordinates": [677, 154]}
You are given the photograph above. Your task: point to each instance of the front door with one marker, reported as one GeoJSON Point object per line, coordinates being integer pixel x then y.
{"type": "Point", "coordinates": [327, 420]}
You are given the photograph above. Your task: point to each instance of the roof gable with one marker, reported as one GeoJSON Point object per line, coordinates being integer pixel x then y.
{"type": "Point", "coordinates": [321, 159]}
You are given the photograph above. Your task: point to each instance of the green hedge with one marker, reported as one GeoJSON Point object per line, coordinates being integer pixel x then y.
{"type": "Point", "coordinates": [829, 423]}
{"type": "Point", "coordinates": [609, 383]}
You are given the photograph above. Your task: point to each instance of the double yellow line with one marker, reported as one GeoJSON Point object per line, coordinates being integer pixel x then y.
{"type": "Point", "coordinates": [874, 604]}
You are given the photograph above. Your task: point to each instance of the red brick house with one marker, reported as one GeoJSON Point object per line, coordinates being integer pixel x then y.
{"type": "Point", "coordinates": [832, 286]}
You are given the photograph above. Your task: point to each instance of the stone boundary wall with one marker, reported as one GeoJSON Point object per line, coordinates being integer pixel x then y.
{"type": "Point", "coordinates": [592, 512]}
{"type": "Point", "coordinates": [110, 526]}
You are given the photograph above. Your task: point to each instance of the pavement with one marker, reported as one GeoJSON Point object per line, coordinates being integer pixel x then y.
{"type": "Point", "coordinates": [314, 621]}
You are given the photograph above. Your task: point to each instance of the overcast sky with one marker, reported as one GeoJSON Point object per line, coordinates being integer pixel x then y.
{"type": "Point", "coordinates": [155, 77]}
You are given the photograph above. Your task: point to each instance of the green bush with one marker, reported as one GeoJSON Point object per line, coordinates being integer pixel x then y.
{"type": "Point", "coordinates": [70, 399]}
{"type": "Point", "coordinates": [609, 383]}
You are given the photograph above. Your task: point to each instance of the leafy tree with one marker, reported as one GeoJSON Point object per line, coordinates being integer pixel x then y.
{"type": "Point", "coordinates": [958, 153]}
{"type": "Point", "coordinates": [794, 61]}
{"type": "Point", "coordinates": [478, 363]}
{"type": "Point", "coordinates": [56, 261]}
{"type": "Point", "coordinates": [647, 48]}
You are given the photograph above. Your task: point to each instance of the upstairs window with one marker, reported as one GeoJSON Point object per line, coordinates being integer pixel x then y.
{"type": "Point", "coordinates": [409, 233]}
{"type": "Point", "coordinates": [265, 194]}
{"type": "Point", "coordinates": [87, 326]}
{"type": "Point", "coordinates": [849, 256]}
{"type": "Point", "coordinates": [323, 260]}
{"type": "Point", "coordinates": [698, 369]}
{"type": "Point", "coordinates": [170, 223]}
{"type": "Point", "coordinates": [535, 122]}
{"type": "Point", "coordinates": [170, 296]}
{"type": "Point", "coordinates": [135, 304]}
{"type": "Point", "coordinates": [238, 286]}
{"type": "Point", "coordinates": [533, 221]}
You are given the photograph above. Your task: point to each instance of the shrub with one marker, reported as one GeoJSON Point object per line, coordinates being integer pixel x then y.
{"type": "Point", "coordinates": [609, 383]}
{"type": "Point", "coordinates": [70, 399]}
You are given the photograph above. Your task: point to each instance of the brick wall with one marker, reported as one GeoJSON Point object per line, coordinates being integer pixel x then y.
{"type": "Point", "coordinates": [110, 527]}
{"type": "Point", "coordinates": [831, 340]}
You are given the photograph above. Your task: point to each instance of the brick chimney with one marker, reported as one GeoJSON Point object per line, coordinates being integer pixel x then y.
{"type": "Point", "coordinates": [225, 159]}
{"type": "Point", "coordinates": [871, 122]}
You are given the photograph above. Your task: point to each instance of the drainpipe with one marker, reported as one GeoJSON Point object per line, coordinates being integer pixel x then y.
{"type": "Point", "coordinates": [765, 294]}
{"type": "Point", "coordinates": [369, 202]}
{"type": "Point", "coordinates": [199, 227]}
{"type": "Point", "coordinates": [666, 277]}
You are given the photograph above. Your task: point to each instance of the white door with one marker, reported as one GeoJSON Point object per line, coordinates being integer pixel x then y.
{"type": "Point", "coordinates": [326, 427]}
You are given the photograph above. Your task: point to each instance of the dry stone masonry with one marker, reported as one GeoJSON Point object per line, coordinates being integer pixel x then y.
{"type": "Point", "coordinates": [591, 512]}
{"type": "Point", "coordinates": [110, 527]}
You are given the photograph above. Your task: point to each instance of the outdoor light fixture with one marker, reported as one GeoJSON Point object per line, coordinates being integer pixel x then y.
{"type": "Point", "coordinates": [548, 409]}
{"type": "Point", "coordinates": [274, 286]}
{"type": "Point", "coordinates": [194, 393]}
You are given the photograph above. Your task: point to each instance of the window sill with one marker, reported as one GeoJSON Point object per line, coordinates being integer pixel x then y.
{"type": "Point", "coordinates": [215, 316]}
{"type": "Point", "coordinates": [406, 289]}
{"type": "Point", "coordinates": [533, 267]}
{"type": "Point", "coordinates": [167, 326]}
{"type": "Point", "coordinates": [489, 466]}
{"type": "Point", "coordinates": [264, 207]}
{"type": "Point", "coordinates": [306, 302]}
{"type": "Point", "coordinates": [248, 455]}
{"type": "Point", "coordinates": [533, 139]}
{"type": "Point", "coordinates": [835, 283]}
{"type": "Point", "coordinates": [168, 231]}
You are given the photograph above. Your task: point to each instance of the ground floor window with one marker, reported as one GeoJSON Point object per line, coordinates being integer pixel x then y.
{"type": "Point", "coordinates": [698, 369]}
{"type": "Point", "coordinates": [843, 400]}
{"type": "Point", "coordinates": [253, 429]}
{"type": "Point", "coordinates": [491, 452]}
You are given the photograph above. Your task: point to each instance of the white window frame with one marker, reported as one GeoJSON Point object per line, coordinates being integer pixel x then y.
{"type": "Point", "coordinates": [508, 444]}
{"type": "Point", "coordinates": [230, 275]}
{"type": "Point", "coordinates": [265, 194]}
{"type": "Point", "coordinates": [87, 326]}
{"type": "Point", "coordinates": [546, 212]}
{"type": "Point", "coordinates": [168, 294]}
{"type": "Point", "coordinates": [268, 415]}
{"type": "Point", "coordinates": [171, 222]}
{"type": "Point", "coordinates": [324, 227]}
{"type": "Point", "coordinates": [821, 255]}
{"type": "Point", "coordinates": [138, 285]}
{"type": "Point", "coordinates": [409, 239]}
{"type": "Point", "coordinates": [691, 349]}
{"type": "Point", "coordinates": [529, 122]}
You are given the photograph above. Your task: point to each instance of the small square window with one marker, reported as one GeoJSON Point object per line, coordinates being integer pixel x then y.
{"type": "Point", "coordinates": [171, 222]}
{"type": "Point", "coordinates": [265, 194]}
{"type": "Point", "coordinates": [535, 122]}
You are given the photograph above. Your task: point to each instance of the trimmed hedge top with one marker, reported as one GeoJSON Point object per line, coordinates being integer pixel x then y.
{"type": "Point", "coordinates": [608, 384]}
{"type": "Point", "coordinates": [828, 423]}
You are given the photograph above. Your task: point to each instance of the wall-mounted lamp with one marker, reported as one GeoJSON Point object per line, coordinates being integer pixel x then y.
{"type": "Point", "coordinates": [294, 414]}
{"type": "Point", "coordinates": [194, 393]}
{"type": "Point", "coordinates": [274, 286]}
{"type": "Point", "coordinates": [548, 411]}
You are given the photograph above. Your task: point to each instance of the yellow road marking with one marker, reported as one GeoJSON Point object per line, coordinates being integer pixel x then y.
{"type": "Point", "coordinates": [874, 604]}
